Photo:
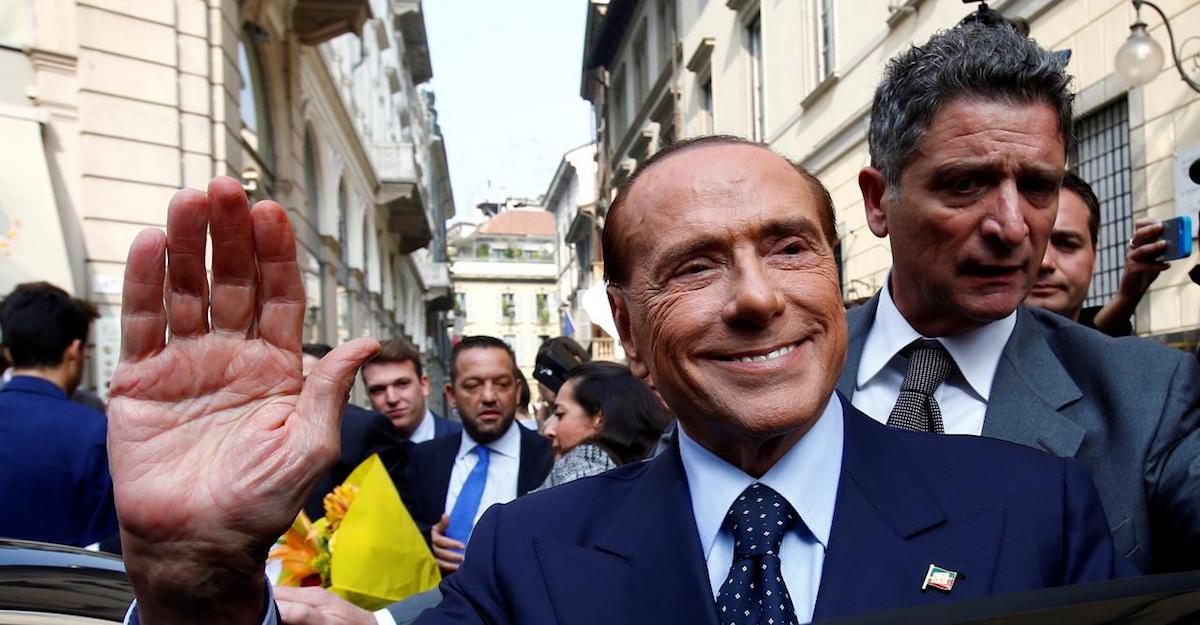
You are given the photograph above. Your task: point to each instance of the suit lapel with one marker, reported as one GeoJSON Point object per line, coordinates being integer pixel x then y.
{"type": "Point", "coordinates": [443, 466]}
{"type": "Point", "coordinates": [536, 457]}
{"type": "Point", "coordinates": [1030, 388]}
{"type": "Point", "coordinates": [888, 527]}
{"type": "Point", "coordinates": [858, 322]}
{"type": "Point", "coordinates": [646, 567]}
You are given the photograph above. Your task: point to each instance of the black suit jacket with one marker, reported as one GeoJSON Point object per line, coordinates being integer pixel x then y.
{"type": "Point", "coordinates": [426, 479]}
{"type": "Point", "coordinates": [364, 432]}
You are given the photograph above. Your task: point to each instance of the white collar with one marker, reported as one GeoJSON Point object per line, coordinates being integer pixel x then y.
{"type": "Point", "coordinates": [509, 443]}
{"type": "Point", "coordinates": [425, 430]}
{"type": "Point", "coordinates": [975, 352]}
{"type": "Point", "coordinates": [807, 476]}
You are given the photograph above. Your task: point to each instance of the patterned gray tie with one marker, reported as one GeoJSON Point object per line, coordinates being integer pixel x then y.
{"type": "Point", "coordinates": [928, 365]}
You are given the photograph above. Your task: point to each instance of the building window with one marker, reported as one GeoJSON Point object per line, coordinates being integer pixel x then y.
{"type": "Point", "coordinates": [312, 187]}
{"type": "Point", "coordinates": [343, 225]}
{"type": "Point", "coordinates": [825, 39]}
{"type": "Point", "coordinates": [616, 104]}
{"type": "Point", "coordinates": [1101, 157]}
{"type": "Point", "coordinates": [641, 76]}
{"type": "Point", "coordinates": [460, 305]}
{"type": "Point", "coordinates": [253, 106]}
{"type": "Point", "coordinates": [543, 308]}
{"type": "Point", "coordinates": [508, 307]}
{"type": "Point", "coordinates": [515, 345]}
{"type": "Point", "coordinates": [758, 128]}
{"type": "Point", "coordinates": [706, 106]}
{"type": "Point", "coordinates": [666, 31]}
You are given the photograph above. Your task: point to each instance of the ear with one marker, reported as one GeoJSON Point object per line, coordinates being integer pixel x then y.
{"type": "Point", "coordinates": [620, 311]}
{"type": "Point", "coordinates": [598, 420]}
{"type": "Point", "coordinates": [73, 352]}
{"type": "Point", "coordinates": [450, 396]}
{"type": "Point", "coordinates": [874, 189]}
{"type": "Point", "coordinates": [425, 385]}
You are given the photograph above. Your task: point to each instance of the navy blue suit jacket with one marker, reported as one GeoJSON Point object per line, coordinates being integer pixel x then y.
{"type": "Point", "coordinates": [427, 477]}
{"type": "Point", "coordinates": [1128, 409]}
{"type": "Point", "coordinates": [622, 547]}
{"type": "Point", "coordinates": [54, 481]}
{"type": "Point", "coordinates": [443, 426]}
{"type": "Point", "coordinates": [364, 432]}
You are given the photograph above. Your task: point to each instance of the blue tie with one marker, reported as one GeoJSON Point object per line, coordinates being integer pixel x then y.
{"type": "Point", "coordinates": [754, 593]}
{"type": "Point", "coordinates": [462, 517]}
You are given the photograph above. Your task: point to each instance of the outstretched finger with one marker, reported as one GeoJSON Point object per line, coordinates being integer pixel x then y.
{"type": "Point", "coordinates": [280, 288]}
{"type": "Point", "coordinates": [143, 320]}
{"type": "Point", "coordinates": [325, 389]}
{"type": "Point", "coordinates": [235, 276]}
{"type": "Point", "coordinates": [187, 279]}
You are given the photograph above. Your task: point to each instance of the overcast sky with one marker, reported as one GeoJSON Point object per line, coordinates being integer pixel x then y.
{"type": "Point", "coordinates": [506, 76]}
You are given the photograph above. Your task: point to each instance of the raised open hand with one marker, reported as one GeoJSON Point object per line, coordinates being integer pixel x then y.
{"type": "Point", "coordinates": [213, 442]}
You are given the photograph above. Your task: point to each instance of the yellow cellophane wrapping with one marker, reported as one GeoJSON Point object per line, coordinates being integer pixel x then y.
{"type": "Point", "coordinates": [378, 555]}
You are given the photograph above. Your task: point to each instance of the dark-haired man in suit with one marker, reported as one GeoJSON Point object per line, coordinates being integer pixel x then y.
{"type": "Point", "coordinates": [451, 481]}
{"type": "Point", "coordinates": [967, 157]}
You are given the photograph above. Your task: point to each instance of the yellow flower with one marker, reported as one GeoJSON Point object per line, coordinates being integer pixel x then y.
{"type": "Point", "coordinates": [337, 503]}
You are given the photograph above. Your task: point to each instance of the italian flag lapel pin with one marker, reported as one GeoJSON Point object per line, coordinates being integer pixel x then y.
{"type": "Point", "coordinates": [937, 577]}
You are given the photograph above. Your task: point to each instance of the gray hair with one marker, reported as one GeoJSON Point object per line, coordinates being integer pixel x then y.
{"type": "Point", "coordinates": [990, 62]}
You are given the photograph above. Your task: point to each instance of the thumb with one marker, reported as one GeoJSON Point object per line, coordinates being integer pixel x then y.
{"type": "Point", "coordinates": [325, 389]}
{"type": "Point", "coordinates": [441, 525]}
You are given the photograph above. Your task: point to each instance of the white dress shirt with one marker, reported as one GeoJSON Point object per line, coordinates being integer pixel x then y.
{"type": "Point", "coordinates": [503, 464]}
{"type": "Point", "coordinates": [425, 431]}
{"type": "Point", "coordinates": [962, 398]}
{"type": "Point", "coordinates": [807, 476]}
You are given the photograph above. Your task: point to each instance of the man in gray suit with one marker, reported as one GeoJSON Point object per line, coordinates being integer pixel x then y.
{"type": "Point", "coordinates": [968, 138]}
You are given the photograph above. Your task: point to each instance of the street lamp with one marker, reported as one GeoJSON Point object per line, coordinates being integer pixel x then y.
{"type": "Point", "coordinates": [1141, 58]}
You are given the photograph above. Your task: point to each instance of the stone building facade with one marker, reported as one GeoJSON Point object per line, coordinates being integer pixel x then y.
{"type": "Point", "coordinates": [505, 280]}
{"type": "Point", "coordinates": [313, 103]}
{"type": "Point", "coordinates": [800, 75]}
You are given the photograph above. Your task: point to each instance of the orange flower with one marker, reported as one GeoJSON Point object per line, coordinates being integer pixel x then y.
{"type": "Point", "coordinates": [337, 503]}
{"type": "Point", "coordinates": [297, 553]}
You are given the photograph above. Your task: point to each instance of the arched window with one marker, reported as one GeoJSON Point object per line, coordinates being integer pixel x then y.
{"type": "Point", "coordinates": [312, 185]}
{"type": "Point", "coordinates": [254, 107]}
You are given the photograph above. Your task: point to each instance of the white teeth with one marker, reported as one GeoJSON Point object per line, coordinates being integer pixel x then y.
{"type": "Point", "coordinates": [782, 351]}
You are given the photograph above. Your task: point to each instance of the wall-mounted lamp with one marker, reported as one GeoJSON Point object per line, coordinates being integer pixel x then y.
{"type": "Point", "coordinates": [1141, 58]}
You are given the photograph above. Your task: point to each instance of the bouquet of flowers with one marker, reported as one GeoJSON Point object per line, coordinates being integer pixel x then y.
{"type": "Point", "coordinates": [366, 549]}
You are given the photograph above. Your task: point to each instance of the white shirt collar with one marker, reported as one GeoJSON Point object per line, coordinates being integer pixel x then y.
{"type": "Point", "coordinates": [426, 430]}
{"type": "Point", "coordinates": [509, 443]}
{"type": "Point", "coordinates": [807, 476]}
{"type": "Point", "coordinates": [976, 352]}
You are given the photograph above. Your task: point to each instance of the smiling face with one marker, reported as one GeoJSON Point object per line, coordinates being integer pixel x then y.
{"type": "Point", "coordinates": [484, 392]}
{"type": "Point", "coordinates": [732, 303]}
{"type": "Point", "coordinates": [1066, 271]}
{"type": "Point", "coordinates": [970, 222]}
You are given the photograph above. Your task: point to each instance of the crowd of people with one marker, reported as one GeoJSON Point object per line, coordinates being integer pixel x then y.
{"type": "Point", "coordinates": [765, 457]}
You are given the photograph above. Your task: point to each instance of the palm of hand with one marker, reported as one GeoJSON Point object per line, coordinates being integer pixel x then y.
{"type": "Point", "coordinates": [216, 413]}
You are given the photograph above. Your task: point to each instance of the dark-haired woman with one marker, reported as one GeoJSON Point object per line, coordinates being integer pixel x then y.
{"type": "Point", "coordinates": [603, 417]}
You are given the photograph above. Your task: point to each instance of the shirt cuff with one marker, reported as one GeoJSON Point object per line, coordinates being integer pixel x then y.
{"type": "Point", "coordinates": [384, 617]}
{"type": "Point", "coordinates": [272, 617]}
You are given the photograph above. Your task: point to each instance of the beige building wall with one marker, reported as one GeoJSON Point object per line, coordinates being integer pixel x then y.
{"type": "Point", "coordinates": [482, 287]}
{"type": "Point", "coordinates": [138, 99]}
{"type": "Point", "coordinates": [819, 116]}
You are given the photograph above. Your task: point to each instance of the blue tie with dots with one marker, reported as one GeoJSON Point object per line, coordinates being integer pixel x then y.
{"type": "Point", "coordinates": [754, 593]}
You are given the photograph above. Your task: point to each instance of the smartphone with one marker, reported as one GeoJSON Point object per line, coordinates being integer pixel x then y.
{"type": "Point", "coordinates": [1177, 232]}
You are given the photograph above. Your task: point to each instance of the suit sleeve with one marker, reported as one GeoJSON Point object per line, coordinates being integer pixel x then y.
{"type": "Point", "coordinates": [1172, 473]}
{"type": "Point", "coordinates": [473, 595]}
{"type": "Point", "coordinates": [1089, 554]}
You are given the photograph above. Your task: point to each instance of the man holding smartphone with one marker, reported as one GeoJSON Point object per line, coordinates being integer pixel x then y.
{"type": "Point", "coordinates": [1070, 260]}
